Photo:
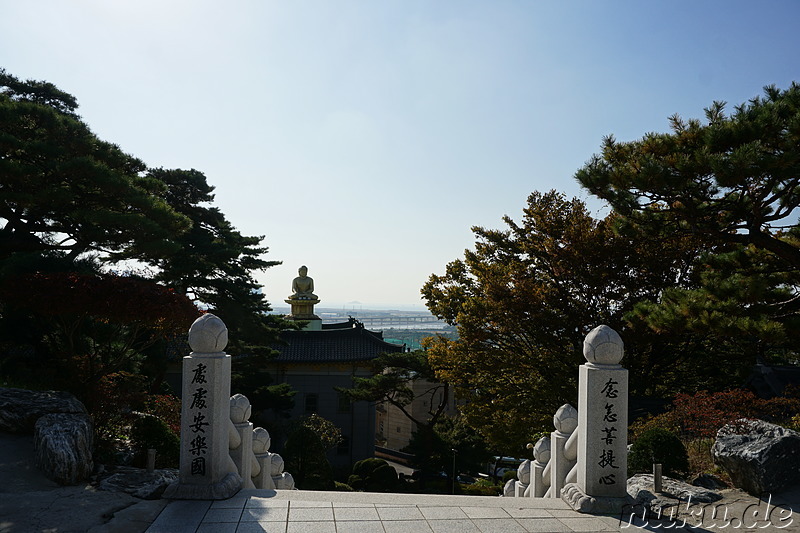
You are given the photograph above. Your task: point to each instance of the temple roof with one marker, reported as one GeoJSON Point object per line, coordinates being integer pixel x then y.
{"type": "Point", "coordinates": [341, 343]}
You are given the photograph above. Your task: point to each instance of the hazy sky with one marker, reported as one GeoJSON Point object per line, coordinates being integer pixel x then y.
{"type": "Point", "coordinates": [365, 138]}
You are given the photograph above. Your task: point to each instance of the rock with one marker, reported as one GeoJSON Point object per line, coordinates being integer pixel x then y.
{"type": "Point", "coordinates": [20, 409]}
{"type": "Point", "coordinates": [758, 456]}
{"type": "Point", "coordinates": [674, 492]}
{"type": "Point", "coordinates": [709, 481]}
{"type": "Point", "coordinates": [63, 447]}
{"type": "Point", "coordinates": [509, 488]}
{"type": "Point", "coordinates": [138, 482]}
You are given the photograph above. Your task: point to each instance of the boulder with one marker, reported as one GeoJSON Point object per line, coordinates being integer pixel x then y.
{"type": "Point", "coordinates": [709, 481]}
{"type": "Point", "coordinates": [673, 493]}
{"type": "Point", "coordinates": [758, 456]}
{"type": "Point", "coordinates": [138, 482]}
{"type": "Point", "coordinates": [20, 409]}
{"type": "Point", "coordinates": [63, 447]}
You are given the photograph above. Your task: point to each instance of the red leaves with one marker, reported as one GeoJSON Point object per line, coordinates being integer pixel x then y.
{"type": "Point", "coordinates": [104, 297]}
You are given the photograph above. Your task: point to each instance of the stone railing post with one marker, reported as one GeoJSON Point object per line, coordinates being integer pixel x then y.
{"type": "Point", "coordinates": [602, 462]}
{"type": "Point", "coordinates": [262, 479]}
{"type": "Point", "coordinates": [206, 469]}
{"type": "Point", "coordinates": [242, 451]}
{"type": "Point", "coordinates": [565, 422]}
{"type": "Point", "coordinates": [541, 458]}
{"type": "Point", "coordinates": [281, 479]}
{"type": "Point", "coordinates": [523, 478]}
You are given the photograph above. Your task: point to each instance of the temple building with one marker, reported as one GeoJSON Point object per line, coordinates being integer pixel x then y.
{"type": "Point", "coordinates": [319, 358]}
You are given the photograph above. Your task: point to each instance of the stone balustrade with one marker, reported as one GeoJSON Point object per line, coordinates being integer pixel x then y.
{"type": "Point", "coordinates": [584, 461]}
{"type": "Point", "coordinates": [221, 453]}
{"type": "Point", "coordinates": [249, 449]}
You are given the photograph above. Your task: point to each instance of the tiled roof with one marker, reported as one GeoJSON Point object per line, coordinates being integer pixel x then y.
{"type": "Point", "coordinates": [332, 346]}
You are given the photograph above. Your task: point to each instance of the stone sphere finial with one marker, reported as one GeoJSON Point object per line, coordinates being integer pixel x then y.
{"type": "Point", "coordinates": [566, 419]}
{"type": "Point", "coordinates": [603, 346]}
{"type": "Point", "coordinates": [261, 440]}
{"type": "Point", "coordinates": [541, 450]}
{"type": "Point", "coordinates": [240, 409]}
{"type": "Point", "coordinates": [208, 334]}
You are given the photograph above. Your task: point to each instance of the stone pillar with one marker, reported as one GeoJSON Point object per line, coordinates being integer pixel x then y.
{"type": "Point", "coordinates": [565, 421]}
{"type": "Point", "coordinates": [261, 443]}
{"type": "Point", "coordinates": [523, 479]}
{"type": "Point", "coordinates": [206, 469]}
{"type": "Point", "coordinates": [242, 454]}
{"type": "Point", "coordinates": [541, 456]}
{"type": "Point", "coordinates": [603, 427]}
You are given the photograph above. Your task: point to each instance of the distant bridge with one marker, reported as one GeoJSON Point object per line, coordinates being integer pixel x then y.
{"type": "Point", "coordinates": [381, 322]}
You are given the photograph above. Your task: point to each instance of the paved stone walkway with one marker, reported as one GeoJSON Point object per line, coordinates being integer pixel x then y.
{"type": "Point", "coordinates": [253, 511]}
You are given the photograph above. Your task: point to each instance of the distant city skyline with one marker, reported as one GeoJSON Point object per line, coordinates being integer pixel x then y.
{"type": "Point", "coordinates": [364, 139]}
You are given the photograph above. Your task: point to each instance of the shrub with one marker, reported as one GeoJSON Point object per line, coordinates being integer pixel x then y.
{"type": "Point", "coordinates": [373, 475]}
{"type": "Point", "coordinates": [342, 487]}
{"type": "Point", "coordinates": [151, 432]}
{"type": "Point", "coordinates": [166, 407]}
{"type": "Point", "coordinates": [482, 487]}
{"type": "Point", "coordinates": [305, 458]}
{"type": "Point", "coordinates": [658, 446]}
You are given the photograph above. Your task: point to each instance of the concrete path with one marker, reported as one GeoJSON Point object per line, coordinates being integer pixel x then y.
{"type": "Point", "coordinates": [253, 511]}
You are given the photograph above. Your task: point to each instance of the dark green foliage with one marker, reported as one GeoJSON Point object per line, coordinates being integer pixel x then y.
{"type": "Point", "coordinates": [248, 377]}
{"type": "Point", "coordinates": [658, 445]}
{"type": "Point", "coordinates": [373, 475]}
{"type": "Point", "coordinates": [482, 488]}
{"type": "Point", "coordinates": [304, 458]}
{"type": "Point", "coordinates": [64, 189]}
{"type": "Point", "coordinates": [393, 375]}
{"type": "Point", "coordinates": [733, 179]}
{"type": "Point", "coordinates": [215, 263]}
{"type": "Point", "coordinates": [342, 487]}
{"type": "Point", "coordinates": [432, 447]}
{"type": "Point", "coordinates": [151, 432]}
{"type": "Point", "coordinates": [730, 182]}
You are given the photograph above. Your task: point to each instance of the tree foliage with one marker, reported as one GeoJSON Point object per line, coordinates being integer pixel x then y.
{"type": "Point", "coordinates": [214, 263]}
{"type": "Point", "coordinates": [732, 182]}
{"type": "Point", "coordinates": [65, 189]}
{"type": "Point", "coordinates": [72, 208]}
{"type": "Point", "coordinates": [734, 178]}
{"type": "Point", "coordinates": [393, 375]}
{"type": "Point", "coordinates": [305, 459]}
{"type": "Point", "coordinates": [433, 446]}
{"type": "Point", "coordinates": [524, 299]}
{"type": "Point", "coordinates": [373, 475]}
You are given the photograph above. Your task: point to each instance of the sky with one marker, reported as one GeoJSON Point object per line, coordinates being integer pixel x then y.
{"type": "Point", "coordinates": [365, 139]}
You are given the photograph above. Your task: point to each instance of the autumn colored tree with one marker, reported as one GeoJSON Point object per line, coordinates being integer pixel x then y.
{"type": "Point", "coordinates": [523, 301]}
{"type": "Point", "coordinates": [92, 325]}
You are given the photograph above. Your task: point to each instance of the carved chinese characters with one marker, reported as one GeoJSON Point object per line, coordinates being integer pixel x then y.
{"type": "Point", "coordinates": [603, 417]}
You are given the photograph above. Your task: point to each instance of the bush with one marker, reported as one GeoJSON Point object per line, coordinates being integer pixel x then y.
{"type": "Point", "coordinates": [151, 432]}
{"type": "Point", "coordinates": [482, 487]}
{"type": "Point", "coordinates": [658, 446]}
{"type": "Point", "coordinates": [509, 474]}
{"type": "Point", "coordinates": [342, 487]}
{"type": "Point", "coordinates": [305, 459]}
{"type": "Point", "coordinates": [373, 475]}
